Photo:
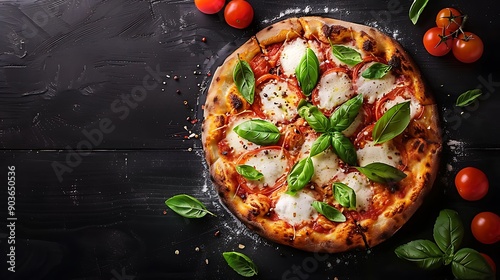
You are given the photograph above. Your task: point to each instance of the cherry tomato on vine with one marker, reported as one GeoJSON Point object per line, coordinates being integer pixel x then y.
{"type": "Point", "coordinates": [468, 47]}
{"type": "Point", "coordinates": [238, 13]}
{"type": "Point", "coordinates": [437, 41]}
{"type": "Point", "coordinates": [471, 183]}
{"type": "Point", "coordinates": [490, 261]}
{"type": "Point", "coordinates": [486, 227]}
{"type": "Point", "coordinates": [449, 18]}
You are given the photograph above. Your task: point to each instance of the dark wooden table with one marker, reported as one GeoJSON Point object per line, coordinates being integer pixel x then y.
{"type": "Point", "coordinates": [100, 114]}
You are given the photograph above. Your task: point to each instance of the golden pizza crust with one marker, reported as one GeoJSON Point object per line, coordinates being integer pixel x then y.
{"type": "Point", "coordinates": [422, 163]}
{"type": "Point", "coordinates": [224, 101]}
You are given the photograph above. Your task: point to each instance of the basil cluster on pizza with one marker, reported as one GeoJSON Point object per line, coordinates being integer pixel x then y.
{"type": "Point", "coordinates": [320, 134]}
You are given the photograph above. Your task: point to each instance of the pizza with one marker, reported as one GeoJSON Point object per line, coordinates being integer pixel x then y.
{"type": "Point", "coordinates": [321, 135]}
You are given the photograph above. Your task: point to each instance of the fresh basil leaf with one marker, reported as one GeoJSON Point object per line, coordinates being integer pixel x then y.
{"type": "Point", "coordinates": [469, 264]}
{"type": "Point", "coordinates": [320, 144]}
{"type": "Point", "coordinates": [416, 8]}
{"type": "Point", "coordinates": [314, 118]}
{"type": "Point", "coordinates": [307, 71]}
{"type": "Point", "coordinates": [382, 173]}
{"type": "Point", "coordinates": [300, 175]}
{"type": "Point", "coordinates": [242, 264]}
{"type": "Point", "coordinates": [448, 231]}
{"type": "Point", "coordinates": [249, 172]}
{"type": "Point", "coordinates": [347, 55]}
{"type": "Point", "coordinates": [187, 206]}
{"type": "Point", "coordinates": [424, 253]}
{"type": "Point", "coordinates": [345, 114]}
{"type": "Point", "coordinates": [343, 147]}
{"type": "Point", "coordinates": [468, 97]}
{"type": "Point", "coordinates": [329, 212]}
{"type": "Point", "coordinates": [392, 123]}
{"type": "Point", "coordinates": [244, 79]}
{"type": "Point", "coordinates": [303, 103]}
{"type": "Point", "coordinates": [257, 131]}
{"type": "Point", "coordinates": [376, 71]}
{"type": "Point", "coordinates": [344, 195]}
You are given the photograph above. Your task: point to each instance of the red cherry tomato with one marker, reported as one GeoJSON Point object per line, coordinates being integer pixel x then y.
{"type": "Point", "coordinates": [471, 183]}
{"type": "Point", "coordinates": [468, 47]}
{"type": "Point", "coordinates": [437, 41]}
{"type": "Point", "coordinates": [449, 18]}
{"type": "Point", "coordinates": [238, 13]}
{"type": "Point", "coordinates": [209, 6]}
{"type": "Point", "coordinates": [486, 227]}
{"type": "Point", "coordinates": [490, 261]}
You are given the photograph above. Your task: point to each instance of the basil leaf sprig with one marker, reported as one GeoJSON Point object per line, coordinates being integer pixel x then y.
{"type": "Point", "coordinates": [345, 114]}
{"type": "Point", "coordinates": [343, 147]}
{"type": "Point", "coordinates": [249, 172]}
{"type": "Point", "coordinates": [345, 54]}
{"type": "Point", "coordinates": [468, 97]}
{"type": "Point", "coordinates": [344, 195]}
{"type": "Point", "coordinates": [331, 213]}
{"type": "Point", "coordinates": [424, 253]}
{"type": "Point", "coordinates": [241, 263]}
{"type": "Point", "coordinates": [448, 232]}
{"type": "Point", "coordinates": [300, 175]}
{"type": "Point", "coordinates": [321, 144]}
{"type": "Point", "coordinates": [307, 72]}
{"type": "Point", "coordinates": [187, 206]}
{"type": "Point", "coordinates": [416, 8]}
{"type": "Point", "coordinates": [331, 135]}
{"type": "Point", "coordinates": [392, 123]}
{"type": "Point", "coordinates": [314, 117]}
{"type": "Point", "coordinates": [468, 263]}
{"type": "Point", "coordinates": [244, 80]}
{"type": "Point", "coordinates": [257, 131]}
{"type": "Point", "coordinates": [376, 71]}
{"type": "Point", "coordinates": [382, 173]}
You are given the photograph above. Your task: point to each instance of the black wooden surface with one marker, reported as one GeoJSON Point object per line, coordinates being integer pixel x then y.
{"type": "Point", "coordinates": [100, 134]}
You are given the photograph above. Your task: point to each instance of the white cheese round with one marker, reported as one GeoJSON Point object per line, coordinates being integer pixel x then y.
{"type": "Point", "coordinates": [279, 103]}
{"type": "Point", "coordinates": [384, 153]}
{"type": "Point", "coordinates": [291, 54]}
{"type": "Point", "coordinates": [376, 88]}
{"type": "Point", "coordinates": [271, 163]}
{"type": "Point", "coordinates": [334, 88]}
{"type": "Point", "coordinates": [295, 209]}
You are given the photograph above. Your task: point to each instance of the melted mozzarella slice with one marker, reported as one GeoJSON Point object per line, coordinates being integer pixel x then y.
{"type": "Point", "coordinates": [384, 153]}
{"type": "Point", "coordinates": [235, 142]}
{"type": "Point", "coordinates": [271, 163]}
{"type": "Point", "coordinates": [376, 88]}
{"type": "Point", "coordinates": [415, 107]}
{"type": "Point", "coordinates": [279, 103]}
{"type": "Point", "coordinates": [295, 209]}
{"type": "Point", "coordinates": [361, 186]}
{"type": "Point", "coordinates": [334, 88]}
{"type": "Point", "coordinates": [291, 54]}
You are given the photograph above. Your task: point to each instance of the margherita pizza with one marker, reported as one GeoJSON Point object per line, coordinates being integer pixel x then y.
{"type": "Point", "coordinates": [320, 134]}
